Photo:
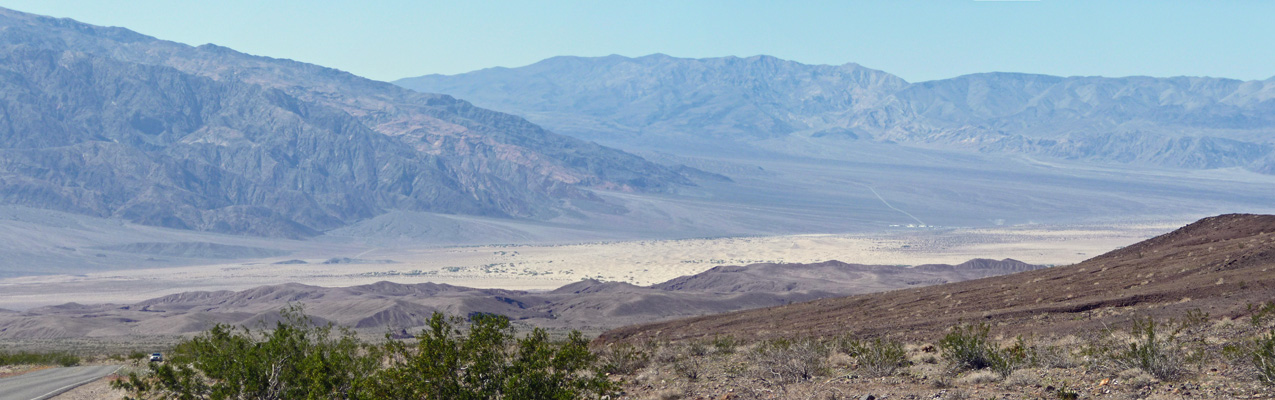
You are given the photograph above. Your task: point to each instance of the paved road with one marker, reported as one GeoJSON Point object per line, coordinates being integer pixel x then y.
{"type": "Point", "coordinates": [50, 382]}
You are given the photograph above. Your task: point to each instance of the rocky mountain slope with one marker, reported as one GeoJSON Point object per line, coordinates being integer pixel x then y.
{"type": "Point", "coordinates": [111, 123]}
{"type": "Point", "coordinates": [588, 305]}
{"type": "Point", "coordinates": [1218, 265]}
{"type": "Point", "coordinates": [661, 102]}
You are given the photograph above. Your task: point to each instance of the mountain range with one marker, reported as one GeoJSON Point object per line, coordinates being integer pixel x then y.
{"type": "Point", "coordinates": [588, 304]}
{"type": "Point", "coordinates": [703, 105]}
{"type": "Point", "coordinates": [107, 122]}
{"type": "Point", "coordinates": [108, 138]}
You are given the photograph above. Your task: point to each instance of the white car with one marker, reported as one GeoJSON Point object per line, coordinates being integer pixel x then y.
{"type": "Point", "coordinates": [157, 357]}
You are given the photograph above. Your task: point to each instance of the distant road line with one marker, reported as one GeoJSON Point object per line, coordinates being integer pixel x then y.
{"type": "Point", "coordinates": [892, 207]}
{"type": "Point", "coordinates": [365, 253]}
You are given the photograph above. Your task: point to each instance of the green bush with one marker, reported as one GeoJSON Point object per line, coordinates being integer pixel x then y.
{"type": "Point", "coordinates": [488, 362]}
{"type": "Point", "coordinates": [725, 344]}
{"type": "Point", "coordinates": [297, 360]}
{"type": "Point", "coordinates": [697, 348]}
{"type": "Point", "coordinates": [51, 358]}
{"type": "Point", "coordinates": [880, 357]}
{"type": "Point", "coordinates": [967, 347]}
{"type": "Point", "coordinates": [1264, 358]}
{"type": "Point", "coordinates": [1260, 313]}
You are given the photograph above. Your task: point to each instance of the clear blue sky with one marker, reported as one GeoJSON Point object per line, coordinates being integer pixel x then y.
{"type": "Point", "coordinates": [917, 40]}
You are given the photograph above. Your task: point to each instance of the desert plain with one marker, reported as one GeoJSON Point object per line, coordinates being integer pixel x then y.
{"type": "Point", "coordinates": [546, 267]}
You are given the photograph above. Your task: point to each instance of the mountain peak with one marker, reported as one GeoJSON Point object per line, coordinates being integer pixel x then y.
{"type": "Point", "coordinates": [265, 146]}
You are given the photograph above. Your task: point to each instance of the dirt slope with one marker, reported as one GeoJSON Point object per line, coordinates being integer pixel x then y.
{"type": "Point", "coordinates": [1219, 265]}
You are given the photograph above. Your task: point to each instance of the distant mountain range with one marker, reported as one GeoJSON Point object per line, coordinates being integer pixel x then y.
{"type": "Point", "coordinates": [678, 104]}
{"type": "Point", "coordinates": [111, 123]}
{"type": "Point", "coordinates": [587, 304]}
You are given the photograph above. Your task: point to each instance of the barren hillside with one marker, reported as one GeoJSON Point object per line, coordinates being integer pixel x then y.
{"type": "Point", "coordinates": [1219, 265]}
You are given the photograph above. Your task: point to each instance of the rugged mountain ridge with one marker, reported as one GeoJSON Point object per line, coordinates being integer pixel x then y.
{"type": "Point", "coordinates": [111, 123]}
{"type": "Point", "coordinates": [1218, 265]}
{"type": "Point", "coordinates": [659, 101]}
{"type": "Point", "coordinates": [587, 305]}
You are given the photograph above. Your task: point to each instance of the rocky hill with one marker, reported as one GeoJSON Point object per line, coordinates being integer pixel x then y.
{"type": "Point", "coordinates": [662, 102]}
{"type": "Point", "coordinates": [1218, 265]}
{"type": "Point", "coordinates": [107, 122]}
{"type": "Point", "coordinates": [586, 305]}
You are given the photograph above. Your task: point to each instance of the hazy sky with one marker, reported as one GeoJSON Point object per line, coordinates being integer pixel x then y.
{"type": "Point", "coordinates": [917, 40]}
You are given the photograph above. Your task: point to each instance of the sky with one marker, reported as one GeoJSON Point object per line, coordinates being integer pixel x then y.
{"type": "Point", "coordinates": [916, 40]}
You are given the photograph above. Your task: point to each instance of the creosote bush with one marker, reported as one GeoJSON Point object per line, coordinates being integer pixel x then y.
{"type": "Point", "coordinates": [967, 347]}
{"type": "Point", "coordinates": [1264, 358]}
{"type": "Point", "coordinates": [879, 357]}
{"type": "Point", "coordinates": [623, 359]}
{"type": "Point", "coordinates": [1152, 351]}
{"type": "Point", "coordinates": [297, 360]}
{"type": "Point", "coordinates": [725, 344]}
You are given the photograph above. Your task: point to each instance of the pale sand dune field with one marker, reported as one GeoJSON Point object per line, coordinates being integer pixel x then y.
{"type": "Point", "coordinates": [545, 267]}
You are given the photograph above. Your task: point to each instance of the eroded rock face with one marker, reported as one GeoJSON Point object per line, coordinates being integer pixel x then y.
{"type": "Point", "coordinates": [108, 122]}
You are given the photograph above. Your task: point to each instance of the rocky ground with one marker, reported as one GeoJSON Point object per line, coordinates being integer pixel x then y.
{"type": "Point", "coordinates": [1069, 367]}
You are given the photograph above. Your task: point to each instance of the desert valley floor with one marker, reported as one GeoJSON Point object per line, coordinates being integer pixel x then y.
{"type": "Point", "coordinates": [545, 267]}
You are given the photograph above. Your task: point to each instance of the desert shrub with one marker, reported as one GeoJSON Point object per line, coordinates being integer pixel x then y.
{"type": "Point", "coordinates": [623, 359]}
{"type": "Point", "coordinates": [1155, 352]}
{"type": "Point", "coordinates": [691, 368]}
{"type": "Point", "coordinates": [1064, 393]}
{"type": "Point", "coordinates": [1021, 380]}
{"type": "Point", "coordinates": [488, 362]}
{"type": "Point", "coordinates": [137, 355]}
{"type": "Point", "coordinates": [50, 358]}
{"type": "Point", "coordinates": [1042, 356]}
{"type": "Point", "coordinates": [1194, 317]}
{"type": "Point", "coordinates": [1260, 313]}
{"type": "Point", "coordinates": [787, 361]}
{"type": "Point", "coordinates": [298, 360]}
{"type": "Point", "coordinates": [980, 377]}
{"type": "Point", "coordinates": [697, 348]}
{"type": "Point", "coordinates": [725, 344]}
{"type": "Point", "coordinates": [879, 357]}
{"type": "Point", "coordinates": [967, 347]}
{"type": "Point", "coordinates": [1264, 358]}
{"type": "Point", "coordinates": [294, 360]}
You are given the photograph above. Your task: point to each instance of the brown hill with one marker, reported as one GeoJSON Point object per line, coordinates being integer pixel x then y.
{"type": "Point", "coordinates": [587, 305]}
{"type": "Point", "coordinates": [1219, 265]}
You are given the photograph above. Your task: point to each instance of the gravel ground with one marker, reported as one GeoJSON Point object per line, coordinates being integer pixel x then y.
{"type": "Point", "coordinates": [99, 389]}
